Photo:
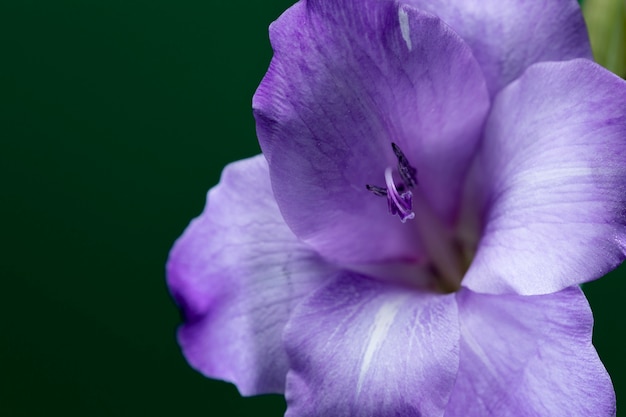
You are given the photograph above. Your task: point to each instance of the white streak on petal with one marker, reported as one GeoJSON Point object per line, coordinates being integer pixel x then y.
{"type": "Point", "coordinates": [403, 17]}
{"type": "Point", "coordinates": [378, 333]}
{"type": "Point", "coordinates": [480, 353]}
{"type": "Point", "coordinates": [539, 177]}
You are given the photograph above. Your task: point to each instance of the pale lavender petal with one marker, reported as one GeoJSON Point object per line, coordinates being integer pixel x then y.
{"type": "Point", "coordinates": [509, 36]}
{"type": "Point", "coordinates": [364, 348]}
{"type": "Point", "coordinates": [527, 356]}
{"type": "Point", "coordinates": [236, 273]}
{"type": "Point", "coordinates": [554, 172]}
{"type": "Point", "coordinates": [348, 78]}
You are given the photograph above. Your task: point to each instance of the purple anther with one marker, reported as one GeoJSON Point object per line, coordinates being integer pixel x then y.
{"type": "Point", "coordinates": [406, 171]}
{"type": "Point", "coordinates": [379, 191]}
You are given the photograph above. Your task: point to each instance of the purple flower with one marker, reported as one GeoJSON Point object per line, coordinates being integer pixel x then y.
{"type": "Point", "coordinates": [437, 178]}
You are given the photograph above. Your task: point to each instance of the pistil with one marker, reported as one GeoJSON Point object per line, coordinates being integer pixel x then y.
{"type": "Point", "coordinates": [399, 203]}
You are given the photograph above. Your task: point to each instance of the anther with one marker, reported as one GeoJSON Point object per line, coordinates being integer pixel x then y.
{"type": "Point", "coordinates": [379, 191]}
{"type": "Point", "coordinates": [406, 171]}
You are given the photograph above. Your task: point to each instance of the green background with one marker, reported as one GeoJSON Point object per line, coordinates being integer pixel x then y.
{"type": "Point", "coordinates": [117, 116]}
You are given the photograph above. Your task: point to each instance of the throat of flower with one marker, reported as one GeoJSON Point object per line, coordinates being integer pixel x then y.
{"type": "Point", "coordinates": [445, 261]}
{"type": "Point", "coordinates": [444, 254]}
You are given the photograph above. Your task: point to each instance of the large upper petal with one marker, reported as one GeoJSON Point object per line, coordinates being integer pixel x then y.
{"type": "Point", "coordinates": [365, 348]}
{"type": "Point", "coordinates": [509, 36]}
{"type": "Point", "coordinates": [554, 177]}
{"type": "Point", "coordinates": [527, 356]}
{"type": "Point", "coordinates": [349, 77]}
{"type": "Point", "coordinates": [236, 273]}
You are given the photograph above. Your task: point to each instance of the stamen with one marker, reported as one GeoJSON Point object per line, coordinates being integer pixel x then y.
{"type": "Point", "coordinates": [399, 197]}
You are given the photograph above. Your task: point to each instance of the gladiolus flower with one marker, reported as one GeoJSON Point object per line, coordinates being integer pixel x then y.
{"type": "Point", "coordinates": [437, 179]}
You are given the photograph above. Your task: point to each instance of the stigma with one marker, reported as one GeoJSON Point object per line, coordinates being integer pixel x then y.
{"type": "Point", "coordinates": [399, 195]}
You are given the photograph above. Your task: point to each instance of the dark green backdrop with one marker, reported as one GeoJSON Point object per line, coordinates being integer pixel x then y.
{"type": "Point", "coordinates": [117, 116]}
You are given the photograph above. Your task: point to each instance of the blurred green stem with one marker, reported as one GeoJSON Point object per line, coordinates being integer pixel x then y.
{"type": "Point", "coordinates": [606, 22]}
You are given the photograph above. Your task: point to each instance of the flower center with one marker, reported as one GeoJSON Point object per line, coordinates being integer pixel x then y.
{"type": "Point", "coordinates": [446, 262]}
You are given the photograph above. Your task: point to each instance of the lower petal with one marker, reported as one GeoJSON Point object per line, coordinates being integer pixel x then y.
{"type": "Point", "coordinates": [529, 356]}
{"type": "Point", "coordinates": [365, 348]}
{"type": "Point", "coordinates": [236, 273]}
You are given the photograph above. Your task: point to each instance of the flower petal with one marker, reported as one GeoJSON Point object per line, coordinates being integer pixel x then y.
{"type": "Point", "coordinates": [236, 273]}
{"type": "Point", "coordinates": [359, 347]}
{"type": "Point", "coordinates": [529, 356]}
{"type": "Point", "coordinates": [509, 36]}
{"type": "Point", "coordinates": [348, 78]}
{"type": "Point", "coordinates": [555, 181]}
